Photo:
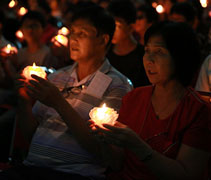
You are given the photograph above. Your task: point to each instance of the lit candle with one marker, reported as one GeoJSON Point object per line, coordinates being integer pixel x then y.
{"type": "Point", "coordinates": [204, 3]}
{"type": "Point", "coordinates": [61, 39]}
{"type": "Point", "coordinates": [9, 49]}
{"type": "Point", "coordinates": [12, 3]}
{"type": "Point", "coordinates": [63, 31]}
{"type": "Point", "coordinates": [160, 9]}
{"type": "Point", "coordinates": [101, 115]}
{"type": "Point", "coordinates": [19, 34]}
{"type": "Point", "coordinates": [22, 11]}
{"type": "Point", "coordinates": [37, 70]}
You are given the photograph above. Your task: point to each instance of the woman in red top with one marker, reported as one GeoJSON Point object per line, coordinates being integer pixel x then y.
{"type": "Point", "coordinates": [165, 129]}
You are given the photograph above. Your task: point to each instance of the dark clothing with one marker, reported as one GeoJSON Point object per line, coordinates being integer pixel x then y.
{"type": "Point", "coordinates": [23, 172]}
{"type": "Point", "coordinates": [131, 65]}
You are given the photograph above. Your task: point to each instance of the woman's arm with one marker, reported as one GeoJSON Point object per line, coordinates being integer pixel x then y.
{"type": "Point", "coordinates": [189, 165]}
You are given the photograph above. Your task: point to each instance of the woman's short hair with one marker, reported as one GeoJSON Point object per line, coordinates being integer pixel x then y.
{"type": "Point", "coordinates": [181, 41]}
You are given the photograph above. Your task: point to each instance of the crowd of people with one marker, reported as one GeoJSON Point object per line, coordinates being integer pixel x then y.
{"type": "Point", "coordinates": [150, 66]}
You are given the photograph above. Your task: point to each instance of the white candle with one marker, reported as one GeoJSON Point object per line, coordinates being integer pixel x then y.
{"type": "Point", "coordinates": [29, 70]}
{"type": "Point", "coordinates": [103, 115]}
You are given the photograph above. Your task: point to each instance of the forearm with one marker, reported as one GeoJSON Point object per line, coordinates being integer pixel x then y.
{"type": "Point", "coordinates": [161, 166]}
{"type": "Point", "coordinates": [26, 121]}
{"type": "Point", "coordinates": [104, 152]}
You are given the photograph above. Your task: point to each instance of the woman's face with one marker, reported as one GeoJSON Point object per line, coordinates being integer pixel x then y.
{"type": "Point", "coordinates": [157, 61]}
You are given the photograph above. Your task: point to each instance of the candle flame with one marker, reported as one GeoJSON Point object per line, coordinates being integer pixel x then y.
{"type": "Point", "coordinates": [160, 9]}
{"type": "Point", "coordinates": [8, 49]}
{"type": "Point", "coordinates": [63, 31]}
{"type": "Point", "coordinates": [12, 3]}
{"type": "Point", "coordinates": [204, 3]}
{"type": "Point", "coordinates": [9, 46]}
{"type": "Point", "coordinates": [19, 34]}
{"type": "Point", "coordinates": [22, 11]}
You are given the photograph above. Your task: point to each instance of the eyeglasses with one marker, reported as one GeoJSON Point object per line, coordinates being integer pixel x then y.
{"type": "Point", "coordinates": [75, 90]}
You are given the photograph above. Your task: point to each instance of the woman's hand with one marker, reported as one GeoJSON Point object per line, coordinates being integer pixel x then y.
{"type": "Point", "coordinates": [120, 135]}
{"type": "Point", "coordinates": [44, 91]}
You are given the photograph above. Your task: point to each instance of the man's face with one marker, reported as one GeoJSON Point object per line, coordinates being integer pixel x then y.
{"type": "Point", "coordinates": [32, 30]}
{"type": "Point", "coordinates": [122, 31]}
{"type": "Point", "coordinates": [84, 42]}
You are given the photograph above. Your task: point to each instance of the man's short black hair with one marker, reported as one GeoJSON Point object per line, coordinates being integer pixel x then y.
{"type": "Point", "coordinates": [181, 41]}
{"type": "Point", "coordinates": [97, 17]}
{"type": "Point", "coordinates": [124, 9]}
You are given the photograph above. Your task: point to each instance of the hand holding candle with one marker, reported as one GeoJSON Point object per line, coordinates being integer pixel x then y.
{"type": "Point", "coordinates": [60, 39]}
{"type": "Point", "coordinates": [29, 70]}
{"type": "Point", "coordinates": [9, 49]}
{"type": "Point", "coordinates": [103, 115]}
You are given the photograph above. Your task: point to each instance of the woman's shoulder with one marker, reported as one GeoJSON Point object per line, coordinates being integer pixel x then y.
{"type": "Point", "coordinates": [140, 92]}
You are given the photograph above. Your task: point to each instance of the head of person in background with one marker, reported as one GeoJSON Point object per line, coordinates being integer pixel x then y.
{"type": "Point", "coordinates": [146, 16]}
{"type": "Point", "coordinates": [184, 12]}
{"type": "Point", "coordinates": [32, 26]}
{"type": "Point", "coordinates": [124, 13]}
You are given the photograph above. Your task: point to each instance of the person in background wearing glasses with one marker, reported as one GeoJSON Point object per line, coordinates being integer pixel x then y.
{"type": "Point", "coordinates": [32, 25]}
{"type": "Point", "coordinates": [165, 128]}
{"type": "Point", "coordinates": [62, 146]}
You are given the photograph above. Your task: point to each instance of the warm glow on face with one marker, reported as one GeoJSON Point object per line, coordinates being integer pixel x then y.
{"type": "Point", "coordinates": [154, 4]}
{"type": "Point", "coordinates": [104, 114]}
{"type": "Point", "coordinates": [22, 11]}
{"type": "Point", "coordinates": [61, 39]}
{"type": "Point", "coordinates": [19, 34]}
{"type": "Point", "coordinates": [29, 70]}
{"type": "Point", "coordinates": [12, 3]}
{"type": "Point", "coordinates": [203, 3]}
{"type": "Point", "coordinates": [63, 31]}
{"type": "Point", "coordinates": [9, 49]}
{"type": "Point", "coordinates": [160, 9]}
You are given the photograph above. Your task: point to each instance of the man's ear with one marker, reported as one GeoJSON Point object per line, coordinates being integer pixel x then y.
{"type": "Point", "coordinates": [105, 39]}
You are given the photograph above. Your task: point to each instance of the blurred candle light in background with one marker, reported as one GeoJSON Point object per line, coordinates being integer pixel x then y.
{"type": "Point", "coordinates": [204, 3]}
{"type": "Point", "coordinates": [160, 9]}
{"type": "Point", "coordinates": [63, 31]}
{"type": "Point", "coordinates": [19, 34]}
{"type": "Point", "coordinates": [12, 3]}
{"type": "Point", "coordinates": [9, 49]}
{"type": "Point", "coordinates": [22, 11]}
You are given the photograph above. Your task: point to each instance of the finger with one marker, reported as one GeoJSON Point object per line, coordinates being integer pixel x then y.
{"type": "Point", "coordinates": [35, 84]}
{"type": "Point", "coordinates": [41, 80]}
{"type": "Point", "coordinates": [113, 128]}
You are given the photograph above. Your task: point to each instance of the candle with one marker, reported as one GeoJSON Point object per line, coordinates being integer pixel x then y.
{"type": "Point", "coordinates": [63, 31]}
{"type": "Point", "coordinates": [61, 39]}
{"type": "Point", "coordinates": [9, 49]}
{"type": "Point", "coordinates": [19, 34]}
{"type": "Point", "coordinates": [29, 70]}
{"type": "Point", "coordinates": [22, 11]}
{"type": "Point", "coordinates": [12, 3]}
{"type": "Point", "coordinates": [160, 9]}
{"type": "Point", "coordinates": [101, 115]}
